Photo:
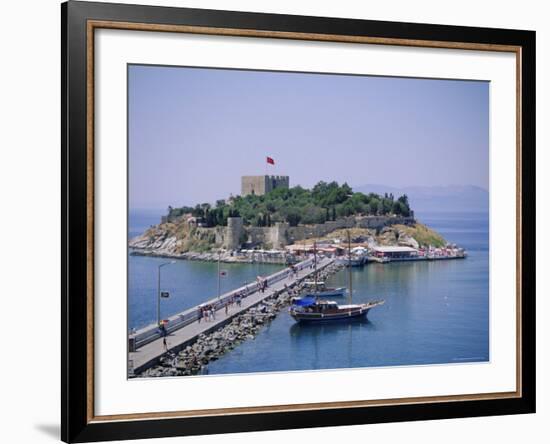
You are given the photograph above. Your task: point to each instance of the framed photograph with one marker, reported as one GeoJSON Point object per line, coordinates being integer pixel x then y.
{"type": "Point", "coordinates": [275, 221]}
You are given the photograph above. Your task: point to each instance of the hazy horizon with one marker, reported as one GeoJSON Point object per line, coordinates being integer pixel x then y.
{"type": "Point", "coordinates": [194, 132]}
{"type": "Point", "coordinates": [390, 188]}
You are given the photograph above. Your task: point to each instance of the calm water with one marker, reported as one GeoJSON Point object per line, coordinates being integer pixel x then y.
{"type": "Point", "coordinates": [435, 312]}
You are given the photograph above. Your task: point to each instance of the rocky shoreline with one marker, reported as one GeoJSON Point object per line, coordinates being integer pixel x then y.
{"type": "Point", "coordinates": [194, 359]}
{"type": "Point", "coordinates": [229, 257]}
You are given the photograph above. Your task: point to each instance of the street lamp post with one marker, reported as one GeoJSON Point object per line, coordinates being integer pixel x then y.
{"type": "Point", "coordinates": [219, 271]}
{"type": "Point", "coordinates": [158, 290]}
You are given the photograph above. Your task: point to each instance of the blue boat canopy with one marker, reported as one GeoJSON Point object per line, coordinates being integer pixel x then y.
{"type": "Point", "coordinates": [306, 301]}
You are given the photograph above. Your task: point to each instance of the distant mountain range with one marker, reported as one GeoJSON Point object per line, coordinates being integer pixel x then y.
{"type": "Point", "coordinates": [451, 198]}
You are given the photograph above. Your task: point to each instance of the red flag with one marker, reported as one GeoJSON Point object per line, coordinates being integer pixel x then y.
{"type": "Point", "coordinates": [270, 160]}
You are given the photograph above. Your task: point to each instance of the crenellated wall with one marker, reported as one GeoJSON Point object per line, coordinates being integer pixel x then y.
{"type": "Point", "coordinates": [282, 234]}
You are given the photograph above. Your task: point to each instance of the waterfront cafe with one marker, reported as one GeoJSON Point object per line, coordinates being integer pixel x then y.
{"type": "Point", "coordinates": [299, 248]}
{"type": "Point", "coordinates": [395, 252]}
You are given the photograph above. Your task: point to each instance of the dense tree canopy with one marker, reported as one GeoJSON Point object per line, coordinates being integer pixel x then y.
{"type": "Point", "coordinates": [297, 205]}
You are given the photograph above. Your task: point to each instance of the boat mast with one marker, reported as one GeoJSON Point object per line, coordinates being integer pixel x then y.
{"type": "Point", "coordinates": [315, 264]}
{"type": "Point", "coordinates": [349, 267]}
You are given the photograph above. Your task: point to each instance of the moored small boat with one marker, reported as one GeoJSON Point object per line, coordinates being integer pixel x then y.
{"type": "Point", "coordinates": [329, 292]}
{"type": "Point", "coordinates": [321, 290]}
{"type": "Point", "coordinates": [355, 261]}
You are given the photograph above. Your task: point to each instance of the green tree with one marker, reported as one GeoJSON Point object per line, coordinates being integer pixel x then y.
{"type": "Point", "coordinates": [293, 217]}
{"type": "Point", "coordinates": [198, 211]}
{"type": "Point", "coordinates": [396, 208]}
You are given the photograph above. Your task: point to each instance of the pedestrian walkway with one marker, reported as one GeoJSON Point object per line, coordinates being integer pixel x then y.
{"type": "Point", "coordinates": [149, 354]}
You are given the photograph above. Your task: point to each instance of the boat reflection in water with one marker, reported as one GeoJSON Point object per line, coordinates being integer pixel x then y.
{"type": "Point", "coordinates": [311, 340]}
{"type": "Point", "coordinates": [308, 329]}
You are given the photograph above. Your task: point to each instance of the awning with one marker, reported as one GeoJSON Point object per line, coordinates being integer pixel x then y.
{"type": "Point", "coordinates": [305, 301]}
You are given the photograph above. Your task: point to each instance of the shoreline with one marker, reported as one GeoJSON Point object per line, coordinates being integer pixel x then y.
{"type": "Point", "coordinates": [231, 257]}
{"type": "Point", "coordinates": [280, 257]}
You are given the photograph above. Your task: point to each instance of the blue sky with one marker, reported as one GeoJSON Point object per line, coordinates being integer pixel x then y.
{"type": "Point", "coordinates": [194, 132]}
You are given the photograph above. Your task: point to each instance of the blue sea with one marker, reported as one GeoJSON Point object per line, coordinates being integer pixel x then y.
{"type": "Point", "coordinates": [436, 312]}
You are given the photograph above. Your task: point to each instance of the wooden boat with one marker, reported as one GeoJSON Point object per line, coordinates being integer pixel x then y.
{"type": "Point", "coordinates": [330, 292]}
{"type": "Point", "coordinates": [354, 261]}
{"type": "Point", "coordinates": [312, 309]}
{"type": "Point", "coordinates": [315, 310]}
{"type": "Point", "coordinates": [324, 291]}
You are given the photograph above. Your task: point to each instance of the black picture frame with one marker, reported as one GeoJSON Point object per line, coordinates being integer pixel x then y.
{"type": "Point", "coordinates": [76, 423]}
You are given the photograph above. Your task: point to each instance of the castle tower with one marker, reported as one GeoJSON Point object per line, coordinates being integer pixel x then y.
{"type": "Point", "coordinates": [233, 233]}
{"type": "Point", "coordinates": [260, 185]}
{"type": "Point", "coordinates": [278, 235]}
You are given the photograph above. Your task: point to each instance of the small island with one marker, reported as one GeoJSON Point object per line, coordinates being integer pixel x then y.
{"type": "Point", "coordinates": [274, 223]}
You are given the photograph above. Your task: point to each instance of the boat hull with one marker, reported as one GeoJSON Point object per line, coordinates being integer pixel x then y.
{"type": "Point", "coordinates": [329, 293]}
{"type": "Point", "coordinates": [330, 317]}
{"type": "Point", "coordinates": [356, 262]}
{"type": "Point", "coordinates": [333, 292]}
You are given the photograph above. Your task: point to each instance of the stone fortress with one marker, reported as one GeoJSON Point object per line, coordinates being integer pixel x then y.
{"type": "Point", "coordinates": [260, 185]}
{"type": "Point", "coordinates": [236, 235]}
{"type": "Point", "coordinates": [281, 234]}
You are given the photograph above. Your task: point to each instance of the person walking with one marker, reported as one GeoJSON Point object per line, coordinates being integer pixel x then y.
{"type": "Point", "coordinates": [164, 344]}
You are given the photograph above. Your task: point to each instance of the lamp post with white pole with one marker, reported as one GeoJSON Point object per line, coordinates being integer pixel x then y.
{"type": "Point", "coordinates": [158, 290]}
{"type": "Point", "coordinates": [219, 271]}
